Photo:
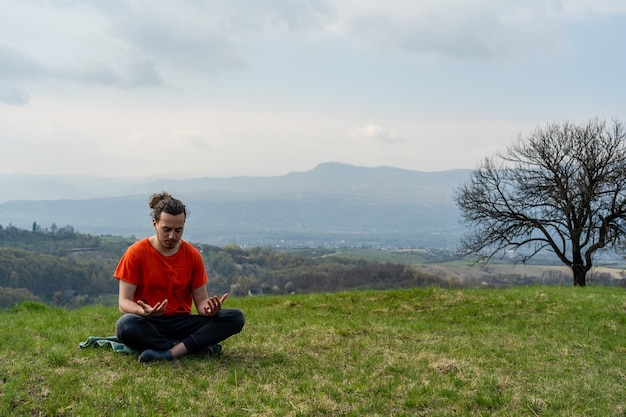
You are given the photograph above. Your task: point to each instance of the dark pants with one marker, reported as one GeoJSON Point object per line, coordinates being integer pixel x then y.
{"type": "Point", "coordinates": [163, 332]}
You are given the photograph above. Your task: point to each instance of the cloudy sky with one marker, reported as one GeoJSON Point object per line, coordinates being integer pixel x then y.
{"type": "Point", "coordinates": [249, 87]}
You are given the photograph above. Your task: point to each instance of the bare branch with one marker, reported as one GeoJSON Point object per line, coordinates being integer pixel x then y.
{"type": "Point", "coordinates": [562, 188]}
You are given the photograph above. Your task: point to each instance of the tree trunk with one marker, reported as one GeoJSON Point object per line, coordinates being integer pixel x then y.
{"type": "Point", "coordinates": [580, 274]}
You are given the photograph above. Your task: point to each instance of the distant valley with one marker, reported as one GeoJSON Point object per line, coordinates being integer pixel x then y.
{"type": "Point", "coordinates": [333, 204]}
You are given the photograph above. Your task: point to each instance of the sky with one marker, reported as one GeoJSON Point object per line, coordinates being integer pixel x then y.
{"type": "Point", "coordinates": [222, 88]}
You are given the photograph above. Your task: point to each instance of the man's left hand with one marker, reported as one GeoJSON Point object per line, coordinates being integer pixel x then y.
{"type": "Point", "coordinates": [214, 305]}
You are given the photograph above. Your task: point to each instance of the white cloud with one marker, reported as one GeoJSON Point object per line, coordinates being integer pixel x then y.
{"type": "Point", "coordinates": [195, 140]}
{"type": "Point", "coordinates": [480, 29]}
{"type": "Point", "coordinates": [376, 133]}
{"type": "Point", "coordinates": [149, 43]}
{"type": "Point", "coordinates": [252, 87]}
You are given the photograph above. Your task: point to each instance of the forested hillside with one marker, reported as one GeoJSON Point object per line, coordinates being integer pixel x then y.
{"type": "Point", "coordinates": [60, 266]}
{"type": "Point", "coordinates": [66, 268]}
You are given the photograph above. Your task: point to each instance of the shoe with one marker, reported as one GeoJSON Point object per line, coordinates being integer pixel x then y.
{"type": "Point", "coordinates": [214, 350]}
{"type": "Point", "coordinates": [150, 355]}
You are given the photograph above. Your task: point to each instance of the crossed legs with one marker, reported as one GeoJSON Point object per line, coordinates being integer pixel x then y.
{"type": "Point", "coordinates": [177, 335]}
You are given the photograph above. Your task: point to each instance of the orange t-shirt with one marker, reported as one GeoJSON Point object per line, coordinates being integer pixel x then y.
{"type": "Point", "coordinates": [158, 277]}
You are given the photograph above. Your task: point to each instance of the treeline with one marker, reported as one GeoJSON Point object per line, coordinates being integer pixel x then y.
{"type": "Point", "coordinates": [72, 269]}
{"type": "Point", "coordinates": [62, 241]}
{"type": "Point", "coordinates": [57, 266]}
{"type": "Point", "coordinates": [45, 275]}
{"type": "Point", "coordinates": [267, 271]}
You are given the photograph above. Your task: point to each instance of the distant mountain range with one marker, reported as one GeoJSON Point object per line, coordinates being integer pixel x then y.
{"type": "Point", "coordinates": [333, 204]}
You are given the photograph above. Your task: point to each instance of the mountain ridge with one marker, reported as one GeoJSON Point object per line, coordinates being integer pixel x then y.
{"type": "Point", "coordinates": [332, 204]}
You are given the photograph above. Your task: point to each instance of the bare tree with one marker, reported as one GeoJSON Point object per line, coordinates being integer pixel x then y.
{"type": "Point", "coordinates": [561, 189]}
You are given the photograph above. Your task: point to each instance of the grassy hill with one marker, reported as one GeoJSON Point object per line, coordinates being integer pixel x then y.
{"type": "Point", "coordinates": [522, 351]}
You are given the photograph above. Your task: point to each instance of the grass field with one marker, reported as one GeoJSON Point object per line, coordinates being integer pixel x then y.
{"type": "Point", "coordinates": [524, 351]}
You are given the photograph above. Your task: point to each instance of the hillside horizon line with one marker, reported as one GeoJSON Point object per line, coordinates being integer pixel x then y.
{"type": "Point", "coordinates": [331, 205]}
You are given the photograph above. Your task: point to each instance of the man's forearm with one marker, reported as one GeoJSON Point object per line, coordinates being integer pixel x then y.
{"type": "Point", "coordinates": [129, 306]}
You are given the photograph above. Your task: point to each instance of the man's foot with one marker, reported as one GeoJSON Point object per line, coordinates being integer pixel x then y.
{"type": "Point", "coordinates": [150, 355]}
{"type": "Point", "coordinates": [214, 350]}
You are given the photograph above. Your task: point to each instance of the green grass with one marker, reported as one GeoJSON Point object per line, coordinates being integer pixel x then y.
{"type": "Point", "coordinates": [525, 351]}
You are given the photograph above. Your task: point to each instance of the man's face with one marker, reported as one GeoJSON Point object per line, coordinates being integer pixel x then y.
{"type": "Point", "coordinates": [169, 229]}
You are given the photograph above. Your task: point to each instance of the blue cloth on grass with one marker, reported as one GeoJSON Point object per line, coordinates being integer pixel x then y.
{"type": "Point", "coordinates": [110, 341]}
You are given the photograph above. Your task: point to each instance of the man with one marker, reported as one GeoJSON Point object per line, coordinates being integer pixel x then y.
{"type": "Point", "coordinates": [159, 278]}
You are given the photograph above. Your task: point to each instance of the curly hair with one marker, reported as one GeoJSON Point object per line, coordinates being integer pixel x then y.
{"type": "Point", "coordinates": [164, 202]}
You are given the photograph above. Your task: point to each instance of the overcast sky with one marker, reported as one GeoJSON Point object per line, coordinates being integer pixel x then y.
{"type": "Point", "coordinates": [249, 87]}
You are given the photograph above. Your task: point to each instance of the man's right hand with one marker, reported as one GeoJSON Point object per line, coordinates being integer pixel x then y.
{"type": "Point", "coordinates": [157, 310]}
